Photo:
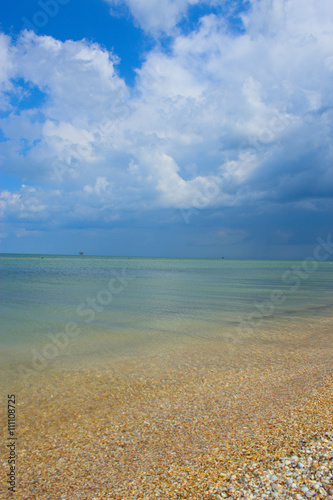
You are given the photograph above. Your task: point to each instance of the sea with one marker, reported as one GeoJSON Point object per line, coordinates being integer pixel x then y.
{"type": "Point", "coordinates": [63, 311]}
{"type": "Point", "coordinates": [116, 371]}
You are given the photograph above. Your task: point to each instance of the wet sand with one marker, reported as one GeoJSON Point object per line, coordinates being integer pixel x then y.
{"type": "Point", "coordinates": [172, 422]}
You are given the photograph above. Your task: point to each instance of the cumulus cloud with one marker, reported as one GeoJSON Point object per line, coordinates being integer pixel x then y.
{"type": "Point", "coordinates": [6, 64]}
{"type": "Point", "coordinates": [220, 120]}
{"type": "Point", "coordinates": [82, 89]}
{"type": "Point", "coordinates": [27, 204]}
{"type": "Point", "coordinates": [101, 186]}
{"type": "Point", "coordinates": [155, 16]}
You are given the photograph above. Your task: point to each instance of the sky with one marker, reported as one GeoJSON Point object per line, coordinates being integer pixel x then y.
{"type": "Point", "coordinates": [188, 128]}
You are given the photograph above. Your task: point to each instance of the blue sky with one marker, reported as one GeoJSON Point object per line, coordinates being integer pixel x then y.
{"type": "Point", "coordinates": [153, 127]}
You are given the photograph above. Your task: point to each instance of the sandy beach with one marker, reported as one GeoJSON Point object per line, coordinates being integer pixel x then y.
{"type": "Point", "coordinates": [184, 424]}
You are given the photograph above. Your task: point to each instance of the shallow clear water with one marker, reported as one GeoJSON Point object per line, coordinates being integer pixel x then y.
{"type": "Point", "coordinates": [116, 305]}
{"type": "Point", "coordinates": [126, 365]}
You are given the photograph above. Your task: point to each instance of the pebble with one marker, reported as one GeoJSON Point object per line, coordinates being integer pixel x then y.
{"type": "Point", "coordinates": [296, 477]}
{"type": "Point", "coordinates": [229, 473]}
{"type": "Point", "coordinates": [310, 494]}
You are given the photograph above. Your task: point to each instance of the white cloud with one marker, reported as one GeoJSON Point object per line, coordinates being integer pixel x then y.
{"type": "Point", "coordinates": [82, 89]}
{"type": "Point", "coordinates": [101, 186]}
{"type": "Point", "coordinates": [155, 16]}
{"type": "Point", "coordinates": [6, 68]}
{"type": "Point", "coordinates": [26, 204]}
{"type": "Point", "coordinates": [6, 63]}
{"type": "Point", "coordinates": [233, 111]}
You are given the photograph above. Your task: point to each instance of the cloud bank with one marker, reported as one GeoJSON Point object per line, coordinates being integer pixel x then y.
{"type": "Point", "coordinates": [219, 123]}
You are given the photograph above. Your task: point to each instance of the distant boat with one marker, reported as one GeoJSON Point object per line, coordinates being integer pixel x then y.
{"type": "Point", "coordinates": [222, 257]}
{"type": "Point", "coordinates": [81, 253]}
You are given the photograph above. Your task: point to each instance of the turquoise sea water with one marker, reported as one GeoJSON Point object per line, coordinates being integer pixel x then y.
{"type": "Point", "coordinates": [98, 307]}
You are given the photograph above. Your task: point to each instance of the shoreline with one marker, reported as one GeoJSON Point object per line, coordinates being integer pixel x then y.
{"type": "Point", "coordinates": [173, 425]}
{"type": "Point", "coordinates": [245, 464]}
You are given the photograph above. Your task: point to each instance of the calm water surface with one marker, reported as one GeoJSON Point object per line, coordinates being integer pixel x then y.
{"type": "Point", "coordinates": [114, 306]}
